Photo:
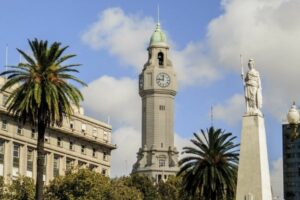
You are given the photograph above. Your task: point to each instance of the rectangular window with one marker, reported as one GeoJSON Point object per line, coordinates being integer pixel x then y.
{"type": "Point", "coordinates": [83, 149]}
{"type": "Point", "coordinates": [16, 155]}
{"type": "Point", "coordinates": [71, 146]}
{"type": "Point", "coordinates": [59, 142]}
{"type": "Point", "coordinates": [29, 162]}
{"type": "Point", "coordinates": [81, 164]}
{"type": "Point", "coordinates": [161, 107]}
{"type": "Point", "coordinates": [104, 172]}
{"type": "Point", "coordinates": [4, 124]}
{"type": "Point", "coordinates": [104, 156]}
{"type": "Point", "coordinates": [72, 125]}
{"type": "Point", "coordinates": [19, 129]}
{"type": "Point", "coordinates": [161, 163]}
{"type": "Point", "coordinates": [4, 99]}
{"type": "Point", "coordinates": [69, 164]}
{"type": "Point", "coordinates": [56, 163]}
{"type": "Point", "coordinates": [94, 152]}
{"type": "Point", "coordinates": [83, 128]}
{"type": "Point", "coordinates": [16, 159]}
{"type": "Point", "coordinates": [92, 167]}
{"type": "Point", "coordinates": [95, 132]}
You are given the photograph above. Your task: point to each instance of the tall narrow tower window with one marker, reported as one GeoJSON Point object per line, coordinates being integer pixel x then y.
{"type": "Point", "coordinates": [160, 58]}
{"type": "Point", "coordinates": [162, 107]}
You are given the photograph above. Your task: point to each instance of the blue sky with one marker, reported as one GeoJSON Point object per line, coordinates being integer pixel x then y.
{"type": "Point", "coordinates": [206, 37]}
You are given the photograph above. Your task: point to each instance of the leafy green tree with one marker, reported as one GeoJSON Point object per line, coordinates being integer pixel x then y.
{"type": "Point", "coordinates": [169, 189]}
{"type": "Point", "coordinates": [119, 191]}
{"type": "Point", "coordinates": [145, 185]}
{"type": "Point", "coordinates": [82, 185]}
{"type": "Point", "coordinates": [20, 189]}
{"type": "Point", "coordinates": [41, 94]}
{"type": "Point", "coordinates": [210, 168]}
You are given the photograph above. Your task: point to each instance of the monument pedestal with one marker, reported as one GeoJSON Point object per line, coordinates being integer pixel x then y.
{"type": "Point", "coordinates": [253, 173]}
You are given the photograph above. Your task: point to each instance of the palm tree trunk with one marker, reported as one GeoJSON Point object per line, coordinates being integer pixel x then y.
{"type": "Point", "coordinates": [40, 161]}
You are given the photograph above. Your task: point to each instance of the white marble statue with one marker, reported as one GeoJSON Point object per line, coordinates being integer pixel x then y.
{"type": "Point", "coordinates": [252, 87]}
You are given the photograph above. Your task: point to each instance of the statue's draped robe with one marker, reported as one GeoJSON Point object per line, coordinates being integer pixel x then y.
{"type": "Point", "coordinates": [253, 90]}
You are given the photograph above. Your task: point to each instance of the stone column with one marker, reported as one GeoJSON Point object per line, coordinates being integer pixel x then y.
{"type": "Point", "coordinates": [8, 155]}
{"type": "Point", "coordinates": [253, 173]}
{"type": "Point", "coordinates": [62, 165]}
{"type": "Point", "coordinates": [49, 174]}
{"type": "Point", "coordinates": [23, 160]}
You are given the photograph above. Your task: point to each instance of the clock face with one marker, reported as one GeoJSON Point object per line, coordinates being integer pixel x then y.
{"type": "Point", "coordinates": [141, 82]}
{"type": "Point", "coordinates": [163, 79]}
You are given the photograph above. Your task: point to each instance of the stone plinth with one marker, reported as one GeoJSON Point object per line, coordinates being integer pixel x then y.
{"type": "Point", "coordinates": [253, 174]}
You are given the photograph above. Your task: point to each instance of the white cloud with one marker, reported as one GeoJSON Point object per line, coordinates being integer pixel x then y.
{"type": "Point", "coordinates": [230, 111]}
{"type": "Point", "coordinates": [127, 36]}
{"type": "Point", "coordinates": [193, 66]}
{"type": "Point", "coordinates": [128, 140]}
{"type": "Point", "coordinates": [181, 142]}
{"type": "Point", "coordinates": [117, 98]}
{"type": "Point", "coordinates": [277, 178]}
{"type": "Point", "coordinates": [267, 31]}
{"type": "Point", "coordinates": [260, 29]}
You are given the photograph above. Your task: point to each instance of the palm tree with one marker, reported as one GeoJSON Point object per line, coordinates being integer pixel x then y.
{"type": "Point", "coordinates": [41, 94]}
{"type": "Point", "coordinates": [209, 170]}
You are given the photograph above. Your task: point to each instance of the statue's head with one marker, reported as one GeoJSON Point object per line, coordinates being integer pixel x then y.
{"type": "Point", "coordinates": [251, 64]}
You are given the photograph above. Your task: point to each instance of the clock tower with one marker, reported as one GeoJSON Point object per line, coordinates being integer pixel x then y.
{"type": "Point", "coordinates": [157, 157]}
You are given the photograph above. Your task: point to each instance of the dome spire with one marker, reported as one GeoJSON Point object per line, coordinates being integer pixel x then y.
{"type": "Point", "coordinates": [158, 37]}
{"type": "Point", "coordinates": [157, 13]}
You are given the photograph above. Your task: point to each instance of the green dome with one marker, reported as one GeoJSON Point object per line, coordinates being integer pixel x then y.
{"type": "Point", "coordinates": [158, 37]}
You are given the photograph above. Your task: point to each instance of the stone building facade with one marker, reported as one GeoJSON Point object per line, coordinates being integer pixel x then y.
{"type": "Point", "coordinates": [82, 142]}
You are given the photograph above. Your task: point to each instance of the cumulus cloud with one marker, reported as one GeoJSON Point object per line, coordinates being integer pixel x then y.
{"type": "Point", "coordinates": [127, 36]}
{"type": "Point", "coordinates": [114, 98]}
{"type": "Point", "coordinates": [265, 30]}
{"type": "Point", "coordinates": [277, 178]}
{"type": "Point", "coordinates": [181, 142]}
{"type": "Point", "coordinates": [231, 110]}
{"type": "Point", "coordinates": [259, 29]}
{"type": "Point", "coordinates": [129, 141]}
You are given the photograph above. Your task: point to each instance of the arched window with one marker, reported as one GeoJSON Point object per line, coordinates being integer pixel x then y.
{"type": "Point", "coordinates": [160, 57]}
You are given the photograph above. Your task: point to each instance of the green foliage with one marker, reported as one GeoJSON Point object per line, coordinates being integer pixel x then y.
{"type": "Point", "coordinates": [22, 188]}
{"type": "Point", "coordinates": [145, 185]}
{"type": "Point", "coordinates": [120, 191]}
{"type": "Point", "coordinates": [169, 189]}
{"type": "Point", "coordinates": [210, 169]}
{"type": "Point", "coordinates": [2, 188]}
{"type": "Point", "coordinates": [84, 185]}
